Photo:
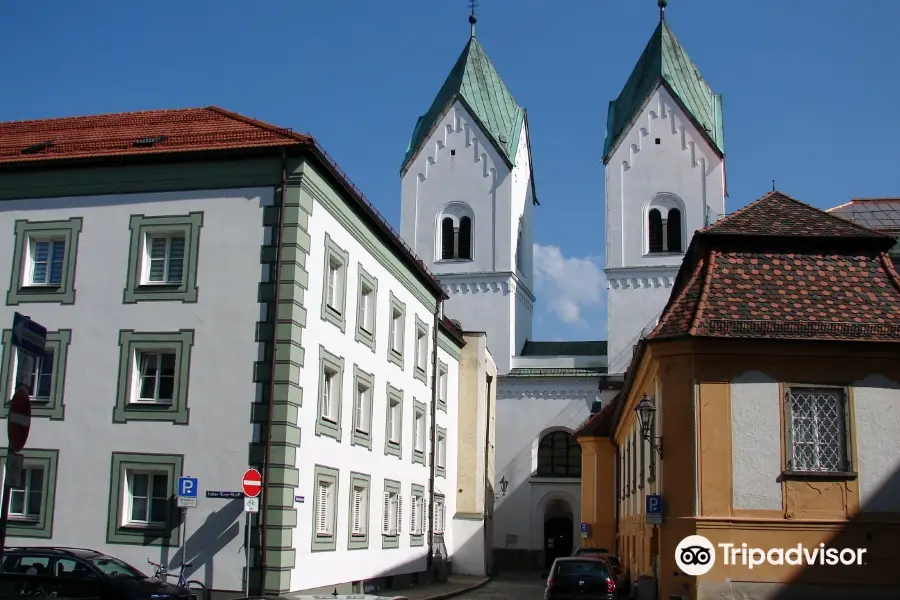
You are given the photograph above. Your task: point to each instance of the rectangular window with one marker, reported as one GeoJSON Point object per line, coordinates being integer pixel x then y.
{"type": "Point", "coordinates": [363, 400]}
{"type": "Point", "coordinates": [147, 496]}
{"type": "Point", "coordinates": [392, 512]}
{"type": "Point", "coordinates": [367, 302]}
{"type": "Point", "coordinates": [331, 383]}
{"type": "Point", "coordinates": [155, 376]}
{"type": "Point", "coordinates": [163, 262]}
{"type": "Point", "coordinates": [441, 452]}
{"type": "Point", "coordinates": [47, 261]}
{"type": "Point", "coordinates": [421, 370]}
{"type": "Point", "coordinates": [439, 514]}
{"type": "Point", "coordinates": [415, 515]}
{"type": "Point", "coordinates": [818, 434]}
{"type": "Point", "coordinates": [324, 511]}
{"type": "Point", "coordinates": [142, 508]}
{"type": "Point", "coordinates": [363, 386]}
{"type": "Point", "coordinates": [32, 497]}
{"type": "Point", "coordinates": [394, 421]}
{"type": "Point", "coordinates": [419, 517]}
{"type": "Point", "coordinates": [393, 432]}
{"type": "Point", "coordinates": [396, 331]}
{"type": "Point", "coordinates": [26, 499]}
{"type": "Point", "coordinates": [41, 375]}
{"type": "Point", "coordinates": [334, 288]}
{"type": "Point", "coordinates": [43, 261]}
{"type": "Point", "coordinates": [442, 386]}
{"type": "Point", "coordinates": [360, 485]}
{"type": "Point", "coordinates": [419, 432]}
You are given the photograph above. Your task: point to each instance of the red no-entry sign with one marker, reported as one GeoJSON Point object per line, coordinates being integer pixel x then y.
{"type": "Point", "coordinates": [252, 483]}
{"type": "Point", "coordinates": [18, 424]}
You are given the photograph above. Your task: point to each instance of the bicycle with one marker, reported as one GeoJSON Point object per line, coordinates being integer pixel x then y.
{"type": "Point", "coordinates": [197, 589]}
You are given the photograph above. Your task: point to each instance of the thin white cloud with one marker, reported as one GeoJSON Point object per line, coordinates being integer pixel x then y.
{"type": "Point", "coordinates": [569, 285]}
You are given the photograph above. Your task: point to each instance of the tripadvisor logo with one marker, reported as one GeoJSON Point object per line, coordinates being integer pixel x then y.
{"type": "Point", "coordinates": [695, 555]}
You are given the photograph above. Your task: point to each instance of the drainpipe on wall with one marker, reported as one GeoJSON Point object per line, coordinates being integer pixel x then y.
{"type": "Point", "coordinates": [438, 313]}
{"type": "Point", "coordinates": [272, 318]}
{"type": "Point", "coordinates": [487, 483]}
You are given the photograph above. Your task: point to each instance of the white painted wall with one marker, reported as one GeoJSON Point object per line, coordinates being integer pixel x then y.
{"type": "Point", "coordinates": [527, 408]}
{"type": "Point", "coordinates": [317, 569]}
{"type": "Point", "coordinates": [459, 165]}
{"type": "Point", "coordinates": [447, 485]}
{"type": "Point", "coordinates": [877, 408]}
{"type": "Point", "coordinates": [215, 443]}
{"type": "Point", "coordinates": [755, 425]}
{"type": "Point", "coordinates": [682, 168]}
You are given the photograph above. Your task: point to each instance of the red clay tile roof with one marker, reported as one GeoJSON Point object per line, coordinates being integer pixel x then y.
{"type": "Point", "coordinates": [137, 133]}
{"type": "Point", "coordinates": [776, 214]}
{"type": "Point", "coordinates": [829, 279]}
{"type": "Point", "coordinates": [599, 423]}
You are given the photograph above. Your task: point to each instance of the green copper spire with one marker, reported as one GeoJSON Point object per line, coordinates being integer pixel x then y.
{"type": "Point", "coordinates": [476, 84]}
{"type": "Point", "coordinates": [665, 62]}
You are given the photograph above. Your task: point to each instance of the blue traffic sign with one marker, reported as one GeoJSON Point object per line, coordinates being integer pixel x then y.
{"type": "Point", "coordinates": [187, 487]}
{"type": "Point", "coordinates": [28, 336]}
{"type": "Point", "coordinates": [654, 504]}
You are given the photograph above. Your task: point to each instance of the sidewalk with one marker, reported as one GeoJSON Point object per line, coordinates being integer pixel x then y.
{"type": "Point", "coordinates": [455, 585]}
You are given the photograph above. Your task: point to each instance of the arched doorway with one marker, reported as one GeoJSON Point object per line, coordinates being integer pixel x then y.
{"type": "Point", "coordinates": [558, 528]}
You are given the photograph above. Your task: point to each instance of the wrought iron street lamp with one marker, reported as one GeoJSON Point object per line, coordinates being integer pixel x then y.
{"type": "Point", "coordinates": [646, 413]}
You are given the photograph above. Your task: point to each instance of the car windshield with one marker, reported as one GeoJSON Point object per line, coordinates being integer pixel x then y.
{"type": "Point", "coordinates": [113, 567]}
{"type": "Point", "coordinates": [589, 568]}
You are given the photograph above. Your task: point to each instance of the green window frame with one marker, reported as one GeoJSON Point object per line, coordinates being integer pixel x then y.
{"type": "Point", "coordinates": [334, 364]}
{"type": "Point", "coordinates": [420, 371]}
{"type": "Point", "coordinates": [398, 312]}
{"type": "Point", "coordinates": [440, 469]}
{"type": "Point", "coordinates": [362, 431]}
{"type": "Point", "coordinates": [393, 447]}
{"type": "Point", "coordinates": [53, 407]}
{"type": "Point", "coordinates": [41, 527]}
{"type": "Point", "coordinates": [359, 541]}
{"type": "Point", "coordinates": [117, 531]}
{"type": "Point", "coordinates": [322, 542]}
{"type": "Point", "coordinates": [418, 491]}
{"type": "Point", "coordinates": [24, 232]}
{"type": "Point", "coordinates": [419, 410]}
{"type": "Point", "coordinates": [142, 227]}
{"type": "Point", "coordinates": [131, 344]}
{"type": "Point", "coordinates": [365, 332]}
{"type": "Point", "coordinates": [391, 541]}
{"type": "Point", "coordinates": [334, 254]}
{"type": "Point", "coordinates": [443, 385]}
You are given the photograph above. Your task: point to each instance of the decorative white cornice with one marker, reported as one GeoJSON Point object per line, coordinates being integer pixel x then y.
{"type": "Point", "coordinates": [643, 277]}
{"type": "Point", "coordinates": [548, 388]}
{"type": "Point", "coordinates": [487, 283]}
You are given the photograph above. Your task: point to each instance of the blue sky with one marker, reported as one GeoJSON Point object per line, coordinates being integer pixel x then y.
{"type": "Point", "coordinates": [808, 90]}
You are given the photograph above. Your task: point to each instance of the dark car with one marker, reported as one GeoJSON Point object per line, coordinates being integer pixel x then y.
{"type": "Point", "coordinates": [79, 573]}
{"type": "Point", "coordinates": [586, 578]}
{"type": "Point", "coordinates": [589, 551]}
{"type": "Point", "coordinates": [605, 554]}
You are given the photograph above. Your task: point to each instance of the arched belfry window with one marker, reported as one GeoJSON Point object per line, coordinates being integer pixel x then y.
{"type": "Point", "coordinates": [665, 225]}
{"type": "Point", "coordinates": [559, 455]}
{"type": "Point", "coordinates": [455, 233]}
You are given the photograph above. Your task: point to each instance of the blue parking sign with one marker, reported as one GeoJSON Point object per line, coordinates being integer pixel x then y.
{"type": "Point", "coordinates": [187, 487]}
{"type": "Point", "coordinates": [653, 509]}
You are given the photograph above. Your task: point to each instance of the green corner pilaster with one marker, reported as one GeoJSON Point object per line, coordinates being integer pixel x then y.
{"type": "Point", "coordinates": [280, 334]}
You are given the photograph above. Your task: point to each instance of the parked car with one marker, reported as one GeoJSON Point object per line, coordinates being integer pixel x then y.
{"type": "Point", "coordinates": [612, 559]}
{"type": "Point", "coordinates": [79, 573]}
{"type": "Point", "coordinates": [583, 577]}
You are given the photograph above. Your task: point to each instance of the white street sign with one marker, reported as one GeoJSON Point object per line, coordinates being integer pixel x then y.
{"type": "Point", "coordinates": [251, 504]}
{"type": "Point", "coordinates": [187, 502]}
{"type": "Point", "coordinates": [14, 464]}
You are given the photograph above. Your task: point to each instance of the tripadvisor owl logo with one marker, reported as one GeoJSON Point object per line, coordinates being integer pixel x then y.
{"type": "Point", "coordinates": [695, 555]}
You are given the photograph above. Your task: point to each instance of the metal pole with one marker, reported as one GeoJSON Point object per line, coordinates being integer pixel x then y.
{"type": "Point", "coordinates": [4, 518]}
{"type": "Point", "coordinates": [184, 512]}
{"type": "Point", "coordinates": [247, 552]}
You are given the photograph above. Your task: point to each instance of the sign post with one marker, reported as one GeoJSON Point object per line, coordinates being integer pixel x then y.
{"type": "Point", "coordinates": [30, 339]}
{"type": "Point", "coordinates": [251, 484]}
{"type": "Point", "coordinates": [187, 498]}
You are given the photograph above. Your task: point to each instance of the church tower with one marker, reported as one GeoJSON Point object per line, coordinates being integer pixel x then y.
{"type": "Point", "coordinates": [467, 198]}
{"type": "Point", "coordinates": [664, 157]}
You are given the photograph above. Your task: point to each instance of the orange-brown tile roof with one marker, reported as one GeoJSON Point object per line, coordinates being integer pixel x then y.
{"type": "Point", "coordinates": [751, 275]}
{"type": "Point", "coordinates": [600, 423]}
{"type": "Point", "coordinates": [138, 133]}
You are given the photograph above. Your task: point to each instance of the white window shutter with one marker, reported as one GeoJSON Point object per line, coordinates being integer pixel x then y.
{"type": "Point", "coordinates": [357, 506]}
{"type": "Point", "coordinates": [399, 514]}
{"type": "Point", "coordinates": [414, 516]}
{"type": "Point", "coordinates": [386, 514]}
{"type": "Point", "coordinates": [322, 510]}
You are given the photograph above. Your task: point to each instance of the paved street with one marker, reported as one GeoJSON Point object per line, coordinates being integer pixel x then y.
{"type": "Point", "coordinates": [509, 587]}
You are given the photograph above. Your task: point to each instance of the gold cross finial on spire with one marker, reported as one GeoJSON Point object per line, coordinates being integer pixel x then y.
{"type": "Point", "coordinates": [662, 9]}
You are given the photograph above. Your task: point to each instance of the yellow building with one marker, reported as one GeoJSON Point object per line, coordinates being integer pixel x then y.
{"type": "Point", "coordinates": [771, 396]}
